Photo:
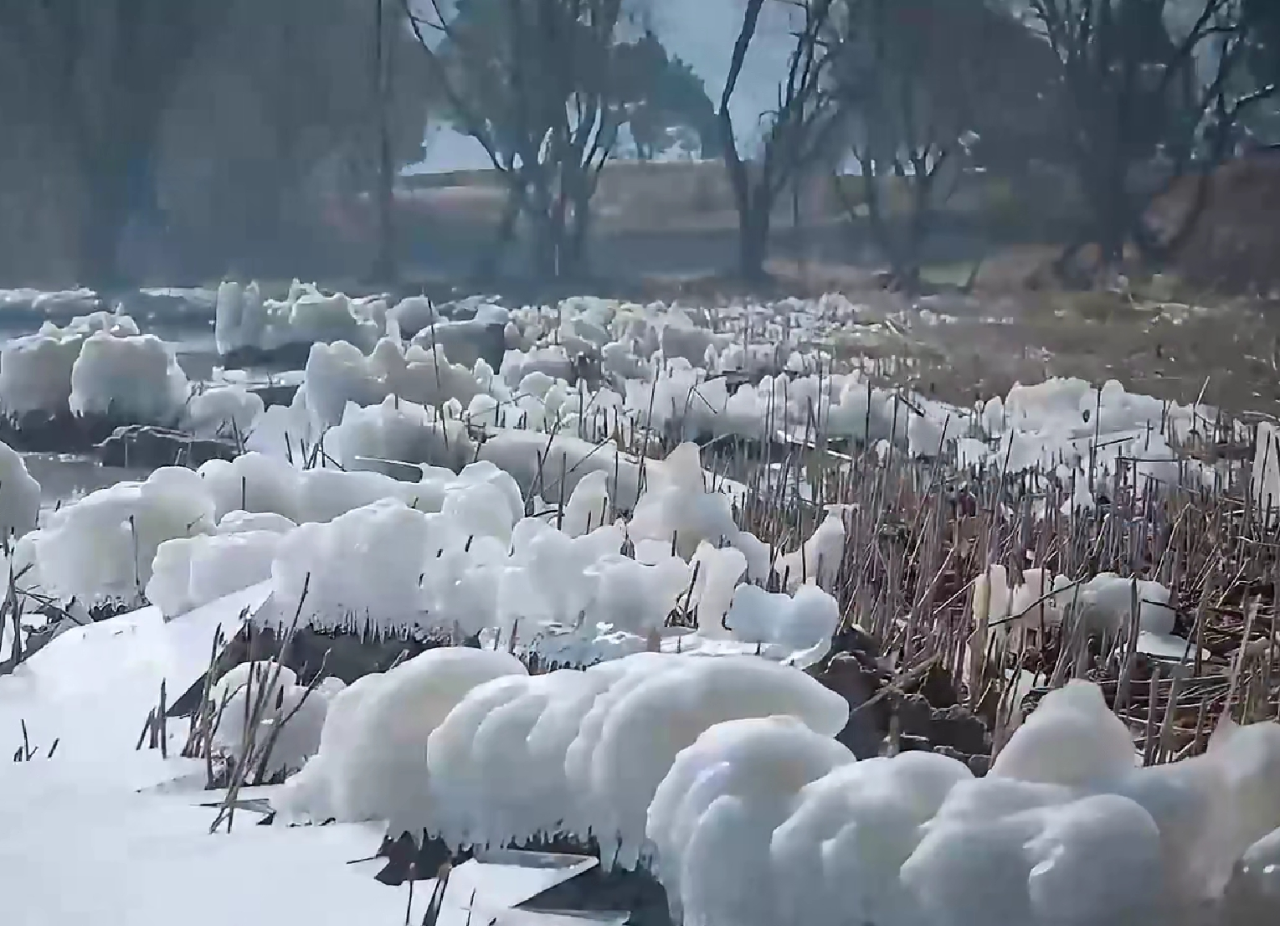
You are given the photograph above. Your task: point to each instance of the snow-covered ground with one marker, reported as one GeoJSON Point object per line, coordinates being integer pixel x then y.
{"type": "Point", "coordinates": [565, 509]}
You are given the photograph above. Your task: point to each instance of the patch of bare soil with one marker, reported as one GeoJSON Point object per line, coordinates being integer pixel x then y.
{"type": "Point", "coordinates": [1234, 245]}
{"type": "Point", "coordinates": [1225, 355]}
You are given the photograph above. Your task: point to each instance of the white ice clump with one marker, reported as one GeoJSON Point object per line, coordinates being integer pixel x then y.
{"type": "Point", "coordinates": [645, 729]}
{"type": "Point", "coordinates": [19, 497]}
{"type": "Point", "coordinates": [1063, 742]}
{"type": "Point", "coordinates": [339, 373]}
{"type": "Point", "coordinates": [678, 510]}
{"type": "Point", "coordinates": [36, 370]}
{"type": "Point", "coordinates": [226, 412]}
{"type": "Point", "coordinates": [1070, 421]}
{"type": "Point", "coordinates": [101, 548]}
{"type": "Point", "coordinates": [363, 569]}
{"type": "Point", "coordinates": [1105, 604]}
{"type": "Point", "coordinates": [850, 832]}
{"type": "Point", "coordinates": [134, 379]}
{"type": "Point", "coordinates": [552, 466]}
{"type": "Point", "coordinates": [189, 572]}
{"type": "Point", "coordinates": [373, 764]}
{"type": "Point", "coordinates": [796, 629]}
{"type": "Point", "coordinates": [713, 816]}
{"type": "Point", "coordinates": [589, 506]}
{"type": "Point", "coordinates": [244, 319]}
{"type": "Point", "coordinates": [400, 431]}
{"type": "Point", "coordinates": [593, 745]}
{"type": "Point", "coordinates": [1092, 861]}
{"type": "Point", "coordinates": [819, 558]}
{"type": "Point", "coordinates": [291, 718]}
{"type": "Point", "coordinates": [234, 696]}
{"type": "Point", "coordinates": [1066, 831]}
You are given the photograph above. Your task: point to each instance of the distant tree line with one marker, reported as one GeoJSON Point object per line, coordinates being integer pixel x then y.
{"type": "Point", "coordinates": [231, 125]}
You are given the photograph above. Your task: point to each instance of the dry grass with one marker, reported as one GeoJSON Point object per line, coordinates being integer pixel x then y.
{"type": "Point", "coordinates": [919, 534]}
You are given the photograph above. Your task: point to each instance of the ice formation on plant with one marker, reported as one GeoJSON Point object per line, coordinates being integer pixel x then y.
{"type": "Point", "coordinates": [373, 765]}
{"type": "Point", "coordinates": [222, 412]}
{"type": "Point", "coordinates": [244, 319]}
{"type": "Point", "coordinates": [19, 497]}
{"type": "Point", "coordinates": [101, 548]}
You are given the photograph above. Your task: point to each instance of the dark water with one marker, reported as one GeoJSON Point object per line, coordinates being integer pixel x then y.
{"type": "Point", "coordinates": [66, 477]}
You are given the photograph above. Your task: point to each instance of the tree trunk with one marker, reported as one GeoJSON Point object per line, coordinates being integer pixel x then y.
{"type": "Point", "coordinates": [490, 263]}
{"type": "Point", "coordinates": [883, 233]}
{"type": "Point", "coordinates": [384, 267]}
{"type": "Point", "coordinates": [546, 246]}
{"type": "Point", "coordinates": [103, 214]}
{"type": "Point", "coordinates": [753, 239]}
{"type": "Point", "coordinates": [577, 237]}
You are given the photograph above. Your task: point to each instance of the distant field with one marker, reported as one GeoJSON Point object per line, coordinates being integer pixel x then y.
{"type": "Point", "coordinates": [696, 195]}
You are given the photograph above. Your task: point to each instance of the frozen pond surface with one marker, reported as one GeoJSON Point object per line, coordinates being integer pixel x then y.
{"type": "Point", "coordinates": [66, 477]}
{"type": "Point", "coordinates": [185, 323]}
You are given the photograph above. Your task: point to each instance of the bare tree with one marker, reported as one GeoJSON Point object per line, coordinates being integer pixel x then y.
{"type": "Point", "coordinates": [795, 134]}
{"type": "Point", "coordinates": [1151, 93]}
{"type": "Point", "coordinates": [102, 72]}
{"type": "Point", "coordinates": [272, 152]}
{"type": "Point", "coordinates": [927, 95]}
{"type": "Point", "coordinates": [533, 82]}
{"type": "Point", "coordinates": [898, 79]}
{"type": "Point", "coordinates": [384, 268]}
